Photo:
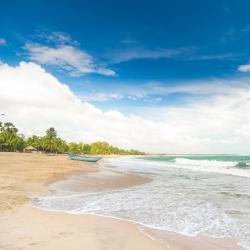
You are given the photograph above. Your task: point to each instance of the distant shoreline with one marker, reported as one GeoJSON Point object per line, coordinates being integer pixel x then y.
{"type": "Point", "coordinates": [192, 154]}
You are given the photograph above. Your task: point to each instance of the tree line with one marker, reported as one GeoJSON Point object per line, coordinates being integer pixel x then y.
{"type": "Point", "coordinates": [12, 141]}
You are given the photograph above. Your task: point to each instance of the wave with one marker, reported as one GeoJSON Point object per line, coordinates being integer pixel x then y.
{"type": "Point", "coordinates": [207, 163]}
{"type": "Point", "coordinates": [212, 163]}
{"type": "Point", "coordinates": [214, 166]}
{"type": "Point", "coordinates": [152, 165]}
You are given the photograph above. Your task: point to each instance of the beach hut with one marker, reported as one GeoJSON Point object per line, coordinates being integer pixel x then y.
{"type": "Point", "coordinates": [30, 149]}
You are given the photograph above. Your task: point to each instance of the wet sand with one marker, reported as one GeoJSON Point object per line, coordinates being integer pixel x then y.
{"type": "Point", "coordinates": [99, 181]}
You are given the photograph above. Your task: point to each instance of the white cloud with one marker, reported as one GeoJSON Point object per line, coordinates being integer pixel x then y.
{"type": "Point", "coordinates": [34, 100]}
{"type": "Point", "coordinates": [244, 68]}
{"type": "Point", "coordinates": [101, 97]}
{"type": "Point", "coordinates": [199, 87]}
{"type": "Point", "coordinates": [118, 56]}
{"type": "Point", "coordinates": [56, 37]}
{"type": "Point", "coordinates": [155, 91]}
{"type": "Point", "coordinates": [185, 54]}
{"type": "Point", "coordinates": [65, 56]}
{"type": "Point", "coordinates": [228, 56]}
{"type": "Point", "coordinates": [109, 96]}
{"type": "Point", "coordinates": [2, 41]}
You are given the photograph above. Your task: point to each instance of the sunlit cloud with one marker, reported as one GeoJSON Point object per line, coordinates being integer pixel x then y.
{"type": "Point", "coordinates": [215, 124]}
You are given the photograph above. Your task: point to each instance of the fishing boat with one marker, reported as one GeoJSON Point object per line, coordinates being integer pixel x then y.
{"type": "Point", "coordinates": [84, 158]}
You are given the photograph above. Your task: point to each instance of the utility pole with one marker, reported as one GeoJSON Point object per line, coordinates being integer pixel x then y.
{"type": "Point", "coordinates": [2, 115]}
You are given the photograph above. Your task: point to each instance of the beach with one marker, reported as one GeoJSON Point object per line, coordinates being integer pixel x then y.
{"type": "Point", "coordinates": [23, 176]}
{"type": "Point", "coordinates": [124, 125]}
{"type": "Point", "coordinates": [25, 227]}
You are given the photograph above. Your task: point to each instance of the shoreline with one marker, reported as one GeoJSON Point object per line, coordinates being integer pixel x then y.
{"type": "Point", "coordinates": [98, 181]}
{"type": "Point", "coordinates": [20, 231]}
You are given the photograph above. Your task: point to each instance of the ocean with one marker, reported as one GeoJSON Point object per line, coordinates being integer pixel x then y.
{"type": "Point", "coordinates": [191, 195]}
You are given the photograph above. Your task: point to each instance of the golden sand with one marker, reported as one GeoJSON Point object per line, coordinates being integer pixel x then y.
{"type": "Point", "coordinates": [23, 175]}
{"type": "Point", "coordinates": [24, 227]}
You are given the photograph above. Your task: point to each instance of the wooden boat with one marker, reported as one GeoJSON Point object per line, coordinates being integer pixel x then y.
{"type": "Point", "coordinates": [84, 158]}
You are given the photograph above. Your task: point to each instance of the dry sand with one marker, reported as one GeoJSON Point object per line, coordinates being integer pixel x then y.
{"type": "Point", "coordinates": [23, 227]}
{"type": "Point", "coordinates": [23, 175]}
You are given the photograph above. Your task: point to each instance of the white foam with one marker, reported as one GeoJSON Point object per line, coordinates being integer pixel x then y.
{"type": "Point", "coordinates": [206, 163]}
{"type": "Point", "coordinates": [213, 166]}
{"type": "Point", "coordinates": [210, 166]}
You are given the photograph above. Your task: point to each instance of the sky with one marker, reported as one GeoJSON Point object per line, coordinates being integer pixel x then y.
{"type": "Point", "coordinates": [158, 76]}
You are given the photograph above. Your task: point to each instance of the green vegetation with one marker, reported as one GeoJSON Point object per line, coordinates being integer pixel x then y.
{"type": "Point", "coordinates": [11, 141]}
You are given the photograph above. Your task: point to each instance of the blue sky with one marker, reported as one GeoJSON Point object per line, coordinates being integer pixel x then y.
{"type": "Point", "coordinates": [159, 76]}
{"type": "Point", "coordinates": [144, 43]}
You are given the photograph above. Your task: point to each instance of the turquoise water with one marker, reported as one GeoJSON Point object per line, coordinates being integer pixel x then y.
{"type": "Point", "coordinates": [191, 195]}
{"type": "Point", "coordinates": [225, 158]}
{"type": "Point", "coordinates": [227, 164]}
{"type": "Point", "coordinates": [245, 158]}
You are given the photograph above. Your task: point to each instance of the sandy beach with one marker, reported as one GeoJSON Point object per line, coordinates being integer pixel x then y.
{"type": "Point", "coordinates": [23, 175]}
{"type": "Point", "coordinates": [25, 227]}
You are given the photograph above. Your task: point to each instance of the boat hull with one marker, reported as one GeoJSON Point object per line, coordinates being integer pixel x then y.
{"type": "Point", "coordinates": [84, 158]}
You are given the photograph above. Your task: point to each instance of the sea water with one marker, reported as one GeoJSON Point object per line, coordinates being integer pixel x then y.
{"type": "Point", "coordinates": [191, 195]}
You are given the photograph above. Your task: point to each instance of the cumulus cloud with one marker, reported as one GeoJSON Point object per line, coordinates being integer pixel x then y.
{"type": "Point", "coordinates": [2, 41]}
{"type": "Point", "coordinates": [244, 68]}
{"type": "Point", "coordinates": [34, 100]}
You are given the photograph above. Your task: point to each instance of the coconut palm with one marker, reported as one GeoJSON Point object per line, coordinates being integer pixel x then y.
{"type": "Point", "coordinates": [10, 140]}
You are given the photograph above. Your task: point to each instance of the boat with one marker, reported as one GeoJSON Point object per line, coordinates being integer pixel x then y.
{"type": "Point", "coordinates": [84, 158]}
